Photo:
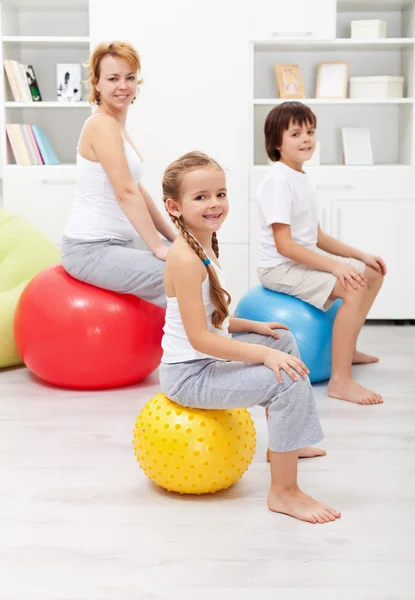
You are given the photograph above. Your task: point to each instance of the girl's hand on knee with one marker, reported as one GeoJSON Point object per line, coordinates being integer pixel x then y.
{"type": "Point", "coordinates": [269, 329]}
{"type": "Point", "coordinates": [348, 275]}
{"type": "Point", "coordinates": [277, 361]}
{"type": "Point", "coordinates": [376, 262]}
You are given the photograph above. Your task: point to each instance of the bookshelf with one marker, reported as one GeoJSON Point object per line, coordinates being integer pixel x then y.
{"type": "Point", "coordinates": [43, 33]}
{"type": "Point", "coordinates": [366, 206]}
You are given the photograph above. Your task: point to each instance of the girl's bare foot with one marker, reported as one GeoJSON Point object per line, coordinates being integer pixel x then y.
{"type": "Point", "coordinates": [300, 506]}
{"type": "Point", "coordinates": [306, 452]}
{"type": "Point", "coordinates": [360, 358]}
{"type": "Point", "coordinates": [353, 392]}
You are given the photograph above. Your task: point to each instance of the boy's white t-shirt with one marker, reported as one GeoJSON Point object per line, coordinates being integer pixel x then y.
{"type": "Point", "coordinates": [286, 196]}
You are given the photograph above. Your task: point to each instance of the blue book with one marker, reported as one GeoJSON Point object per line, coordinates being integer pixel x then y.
{"type": "Point", "coordinates": [45, 149]}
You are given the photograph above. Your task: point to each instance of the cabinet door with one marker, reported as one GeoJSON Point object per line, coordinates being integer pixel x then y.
{"type": "Point", "coordinates": [46, 204]}
{"type": "Point", "coordinates": [385, 228]}
{"type": "Point", "coordinates": [277, 19]}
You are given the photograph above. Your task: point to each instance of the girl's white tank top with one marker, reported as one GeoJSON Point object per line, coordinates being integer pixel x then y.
{"type": "Point", "coordinates": [96, 213]}
{"type": "Point", "coordinates": [175, 343]}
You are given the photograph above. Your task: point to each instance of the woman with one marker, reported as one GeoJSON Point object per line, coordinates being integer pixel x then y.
{"type": "Point", "coordinates": [112, 238]}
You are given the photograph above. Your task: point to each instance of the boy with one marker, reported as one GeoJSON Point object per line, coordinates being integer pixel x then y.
{"type": "Point", "coordinates": [290, 261]}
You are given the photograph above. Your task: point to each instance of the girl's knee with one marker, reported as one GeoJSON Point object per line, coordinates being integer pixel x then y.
{"type": "Point", "coordinates": [294, 389]}
{"type": "Point", "coordinates": [287, 342]}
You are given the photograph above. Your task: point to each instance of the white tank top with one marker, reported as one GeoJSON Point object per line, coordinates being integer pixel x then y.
{"type": "Point", "coordinates": [96, 213]}
{"type": "Point", "coordinates": [175, 343]}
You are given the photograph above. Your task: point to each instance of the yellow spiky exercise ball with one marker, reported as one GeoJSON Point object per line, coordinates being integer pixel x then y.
{"type": "Point", "coordinates": [192, 450]}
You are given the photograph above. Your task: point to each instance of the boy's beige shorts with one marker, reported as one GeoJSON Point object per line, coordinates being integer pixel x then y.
{"type": "Point", "coordinates": [310, 285]}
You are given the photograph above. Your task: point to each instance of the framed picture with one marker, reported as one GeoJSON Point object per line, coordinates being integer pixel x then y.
{"type": "Point", "coordinates": [69, 86]}
{"type": "Point", "coordinates": [357, 148]}
{"type": "Point", "coordinates": [290, 84]}
{"type": "Point", "coordinates": [332, 80]}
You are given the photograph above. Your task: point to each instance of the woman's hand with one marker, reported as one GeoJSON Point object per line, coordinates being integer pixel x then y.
{"type": "Point", "coordinates": [376, 262]}
{"type": "Point", "coordinates": [268, 329]}
{"type": "Point", "coordinates": [347, 274]}
{"type": "Point", "coordinates": [276, 360]}
{"type": "Point", "coordinates": [161, 252]}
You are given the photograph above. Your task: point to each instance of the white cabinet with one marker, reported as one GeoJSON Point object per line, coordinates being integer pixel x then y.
{"type": "Point", "coordinates": [277, 19]}
{"type": "Point", "coordinates": [45, 200]}
{"type": "Point", "coordinates": [385, 228]}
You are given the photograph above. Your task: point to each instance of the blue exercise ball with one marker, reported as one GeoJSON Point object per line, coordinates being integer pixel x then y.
{"type": "Point", "coordinates": [311, 327]}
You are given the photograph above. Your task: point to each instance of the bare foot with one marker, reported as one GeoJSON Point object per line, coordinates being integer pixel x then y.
{"type": "Point", "coordinates": [300, 506]}
{"type": "Point", "coordinates": [360, 358]}
{"type": "Point", "coordinates": [353, 392]}
{"type": "Point", "coordinates": [306, 452]}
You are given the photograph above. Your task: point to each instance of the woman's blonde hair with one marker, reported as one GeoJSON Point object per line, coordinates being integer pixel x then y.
{"type": "Point", "coordinates": [122, 50]}
{"type": "Point", "coordinates": [172, 181]}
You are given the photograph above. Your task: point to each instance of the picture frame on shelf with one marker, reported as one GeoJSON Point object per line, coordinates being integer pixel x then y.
{"type": "Point", "coordinates": [357, 147]}
{"type": "Point", "coordinates": [332, 80]}
{"type": "Point", "coordinates": [69, 82]}
{"type": "Point", "coordinates": [289, 81]}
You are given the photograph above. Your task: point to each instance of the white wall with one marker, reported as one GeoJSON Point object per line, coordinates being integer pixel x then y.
{"type": "Point", "coordinates": [195, 63]}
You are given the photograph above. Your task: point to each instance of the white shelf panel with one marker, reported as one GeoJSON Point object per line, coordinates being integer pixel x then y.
{"type": "Point", "coordinates": [273, 101]}
{"type": "Point", "coordinates": [264, 168]}
{"type": "Point", "coordinates": [47, 104]}
{"type": "Point", "coordinates": [45, 39]}
{"type": "Point", "coordinates": [64, 171]}
{"type": "Point", "coordinates": [335, 44]}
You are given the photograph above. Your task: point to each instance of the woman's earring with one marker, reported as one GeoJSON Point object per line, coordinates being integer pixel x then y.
{"type": "Point", "coordinates": [97, 97]}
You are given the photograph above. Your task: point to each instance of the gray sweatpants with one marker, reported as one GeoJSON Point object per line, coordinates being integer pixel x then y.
{"type": "Point", "coordinates": [215, 384]}
{"type": "Point", "coordinates": [126, 267]}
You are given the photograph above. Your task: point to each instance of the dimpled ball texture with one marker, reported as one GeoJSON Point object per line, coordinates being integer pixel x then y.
{"type": "Point", "coordinates": [191, 450]}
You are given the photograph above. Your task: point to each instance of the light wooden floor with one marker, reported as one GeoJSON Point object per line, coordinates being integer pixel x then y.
{"type": "Point", "coordinates": [78, 519]}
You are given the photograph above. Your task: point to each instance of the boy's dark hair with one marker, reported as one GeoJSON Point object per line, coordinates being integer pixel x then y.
{"type": "Point", "coordinates": [278, 121]}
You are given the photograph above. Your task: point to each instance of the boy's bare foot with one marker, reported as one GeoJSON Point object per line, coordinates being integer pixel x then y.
{"type": "Point", "coordinates": [306, 452]}
{"type": "Point", "coordinates": [353, 392]}
{"type": "Point", "coordinates": [300, 506]}
{"type": "Point", "coordinates": [360, 358]}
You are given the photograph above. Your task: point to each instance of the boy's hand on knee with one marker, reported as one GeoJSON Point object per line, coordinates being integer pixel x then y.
{"type": "Point", "coordinates": [269, 329]}
{"type": "Point", "coordinates": [348, 275]}
{"type": "Point", "coordinates": [277, 361]}
{"type": "Point", "coordinates": [376, 262]}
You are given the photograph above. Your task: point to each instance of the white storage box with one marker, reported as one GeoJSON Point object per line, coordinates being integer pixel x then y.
{"type": "Point", "coordinates": [371, 29]}
{"type": "Point", "coordinates": [381, 86]}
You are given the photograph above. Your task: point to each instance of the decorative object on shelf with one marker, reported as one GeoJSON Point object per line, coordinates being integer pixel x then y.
{"type": "Point", "coordinates": [33, 86]}
{"type": "Point", "coordinates": [357, 148]}
{"type": "Point", "coordinates": [332, 80]}
{"type": "Point", "coordinates": [379, 86]}
{"type": "Point", "coordinates": [290, 84]}
{"type": "Point", "coordinates": [368, 29]}
{"type": "Point", "coordinates": [69, 82]}
{"type": "Point", "coordinates": [314, 161]}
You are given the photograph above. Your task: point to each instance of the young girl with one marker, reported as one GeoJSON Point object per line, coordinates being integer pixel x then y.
{"type": "Point", "coordinates": [112, 238]}
{"type": "Point", "coordinates": [202, 367]}
{"type": "Point", "coordinates": [291, 237]}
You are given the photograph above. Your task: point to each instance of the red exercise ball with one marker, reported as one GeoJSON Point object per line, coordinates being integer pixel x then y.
{"type": "Point", "coordinates": [79, 336]}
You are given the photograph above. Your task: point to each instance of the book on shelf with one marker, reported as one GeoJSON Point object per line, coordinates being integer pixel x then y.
{"type": "Point", "coordinates": [22, 81]}
{"type": "Point", "coordinates": [30, 145]}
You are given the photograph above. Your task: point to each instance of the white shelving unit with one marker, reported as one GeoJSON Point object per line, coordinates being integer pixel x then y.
{"type": "Point", "coordinates": [43, 33]}
{"type": "Point", "coordinates": [368, 206]}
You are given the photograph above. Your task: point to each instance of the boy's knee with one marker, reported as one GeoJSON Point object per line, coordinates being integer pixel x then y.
{"type": "Point", "coordinates": [356, 296]}
{"type": "Point", "coordinates": [374, 277]}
